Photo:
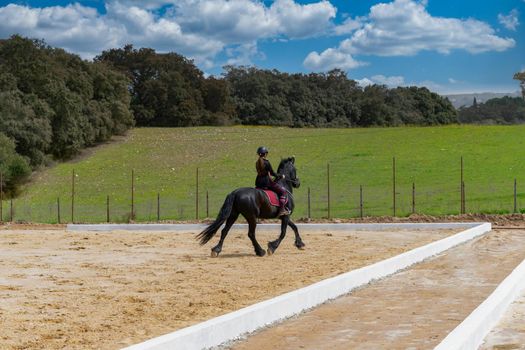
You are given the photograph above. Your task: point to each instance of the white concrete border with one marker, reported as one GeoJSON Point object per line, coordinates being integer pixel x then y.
{"type": "Point", "coordinates": [232, 325]}
{"type": "Point", "coordinates": [273, 227]}
{"type": "Point", "coordinates": [472, 331]}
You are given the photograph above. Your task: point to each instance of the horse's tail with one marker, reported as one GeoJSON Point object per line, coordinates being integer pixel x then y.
{"type": "Point", "coordinates": [212, 228]}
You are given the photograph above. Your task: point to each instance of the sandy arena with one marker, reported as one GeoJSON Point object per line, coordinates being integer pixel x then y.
{"type": "Point", "coordinates": [108, 290]}
{"type": "Point", "coordinates": [413, 309]}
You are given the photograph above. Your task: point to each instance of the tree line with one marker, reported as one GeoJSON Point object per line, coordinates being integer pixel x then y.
{"type": "Point", "coordinates": [53, 104]}
{"type": "Point", "coordinates": [169, 90]}
{"type": "Point", "coordinates": [505, 110]}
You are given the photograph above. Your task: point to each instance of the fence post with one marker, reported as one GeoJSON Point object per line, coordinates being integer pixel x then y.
{"type": "Point", "coordinates": [132, 215]}
{"type": "Point", "coordinates": [462, 190]}
{"type": "Point", "coordinates": [515, 197]}
{"type": "Point", "coordinates": [158, 206]}
{"type": "Point", "coordinates": [464, 198]}
{"type": "Point", "coordinates": [11, 214]}
{"type": "Point", "coordinates": [309, 212]}
{"type": "Point", "coordinates": [1, 197]}
{"type": "Point", "coordinates": [207, 205]}
{"type": "Point", "coordinates": [73, 196]}
{"type": "Point", "coordinates": [361, 201]}
{"type": "Point", "coordinates": [197, 195]}
{"type": "Point", "coordinates": [107, 208]}
{"type": "Point", "coordinates": [394, 184]}
{"type": "Point", "coordinates": [58, 210]}
{"type": "Point", "coordinates": [328, 186]}
{"type": "Point", "coordinates": [413, 197]}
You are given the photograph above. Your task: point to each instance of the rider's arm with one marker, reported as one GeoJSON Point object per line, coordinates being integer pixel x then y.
{"type": "Point", "coordinates": [270, 170]}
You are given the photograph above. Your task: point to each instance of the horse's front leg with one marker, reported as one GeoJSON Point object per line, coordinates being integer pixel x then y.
{"type": "Point", "coordinates": [273, 245]}
{"type": "Point", "coordinates": [298, 241]}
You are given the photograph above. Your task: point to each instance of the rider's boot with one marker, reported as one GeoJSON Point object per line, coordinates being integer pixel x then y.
{"type": "Point", "coordinates": [283, 211]}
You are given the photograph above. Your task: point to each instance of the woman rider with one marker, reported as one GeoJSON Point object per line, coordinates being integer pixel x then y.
{"type": "Point", "coordinates": [264, 180]}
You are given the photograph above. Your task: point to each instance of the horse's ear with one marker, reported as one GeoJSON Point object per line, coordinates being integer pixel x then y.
{"type": "Point", "coordinates": [292, 159]}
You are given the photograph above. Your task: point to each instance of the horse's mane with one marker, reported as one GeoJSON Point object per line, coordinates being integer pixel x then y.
{"type": "Point", "coordinates": [284, 161]}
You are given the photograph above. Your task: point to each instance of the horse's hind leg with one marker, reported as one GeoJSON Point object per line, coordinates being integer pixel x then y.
{"type": "Point", "coordinates": [273, 245]}
{"type": "Point", "coordinates": [215, 251]}
{"type": "Point", "coordinates": [252, 223]}
{"type": "Point", "coordinates": [298, 241]}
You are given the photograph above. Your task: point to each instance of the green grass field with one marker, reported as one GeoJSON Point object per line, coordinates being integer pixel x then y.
{"type": "Point", "coordinates": [165, 161]}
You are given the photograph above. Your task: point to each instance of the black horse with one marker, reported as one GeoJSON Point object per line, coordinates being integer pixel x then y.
{"type": "Point", "coordinates": [253, 203]}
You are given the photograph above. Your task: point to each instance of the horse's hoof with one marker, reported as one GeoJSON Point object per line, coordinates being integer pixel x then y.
{"type": "Point", "coordinates": [269, 251]}
{"type": "Point", "coordinates": [300, 246]}
{"type": "Point", "coordinates": [214, 254]}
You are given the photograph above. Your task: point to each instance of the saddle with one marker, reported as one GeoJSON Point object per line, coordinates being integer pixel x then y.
{"type": "Point", "coordinates": [273, 198]}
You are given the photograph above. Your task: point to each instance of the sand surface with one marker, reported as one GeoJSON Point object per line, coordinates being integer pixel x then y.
{"type": "Point", "coordinates": [414, 309]}
{"type": "Point", "coordinates": [509, 333]}
{"type": "Point", "coordinates": [107, 290]}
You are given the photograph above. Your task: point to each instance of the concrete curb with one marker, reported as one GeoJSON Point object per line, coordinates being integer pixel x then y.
{"type": "Point", "coordinates": [272, 227]}
{"type": "Point", "coordinates": [472, 331]}
{"type": "Point", "coordinates": [232, 325]}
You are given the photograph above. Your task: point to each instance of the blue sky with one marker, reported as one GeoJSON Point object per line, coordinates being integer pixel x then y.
{"type": "Point", "coordinates": [449, 46]}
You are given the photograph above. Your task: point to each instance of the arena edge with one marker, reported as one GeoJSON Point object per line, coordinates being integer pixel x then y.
{"type": "Point", "coordinates": [233, 325]}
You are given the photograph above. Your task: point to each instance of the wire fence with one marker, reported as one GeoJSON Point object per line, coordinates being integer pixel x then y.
{"type": "Point", "coordinates": [338, 197]}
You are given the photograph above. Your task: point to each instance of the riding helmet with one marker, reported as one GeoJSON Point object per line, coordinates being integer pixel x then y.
{"type": "Point", "coordinates": [262, 150]}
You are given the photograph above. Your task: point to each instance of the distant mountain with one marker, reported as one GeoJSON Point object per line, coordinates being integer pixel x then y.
{"type": "Point", "coordinates": [467, 99]}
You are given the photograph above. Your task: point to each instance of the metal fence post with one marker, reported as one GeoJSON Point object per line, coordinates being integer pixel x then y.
{"type": "Point", "coordinates": [58, 210]}
{"type": "Point", "coordinates": [73, 196]}
{"type": "Point", "coordinates": [107, 208]}
{"type": "Point", "coordinates": [197, 195]}
{"type": "Point", "coordinates": [462, 190]}
{"type": "Point", "coordinates": [207, 205]}
{"type": "Point", "coordinates": [1, 197]}
{"type": "Point", "coordinates": [11, 214]}
{"type": "Point", "coordinates": [394, 184]}
{"type": "Point", "coordinates": [328, 186]}
{"type": "Point", "coordinates": [132, 215]}
{"type": "Point", "coordinates": [413, 197]}
{"type": "Point", "coordinates": [464, 198]}
{"type": "Point", "coordinates": [515, 197]}
{"type": "Point", "coordinates": [361, 201]}
{"type": "Point", "coordinates": [309, 212]}
{"type": "Point", "coordinates": [158, 206]}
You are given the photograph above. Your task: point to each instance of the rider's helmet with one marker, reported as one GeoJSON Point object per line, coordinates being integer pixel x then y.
{"type": "Point", "coordinates": [262, 150]}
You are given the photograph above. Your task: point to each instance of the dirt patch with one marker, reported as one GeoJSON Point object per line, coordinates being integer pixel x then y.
{"type": "Point", "coordinates": [414, 309]}
{"type": "Point", "coordinates": [509, 333]}
{"type": "Point", "coordinates": [108, 290]}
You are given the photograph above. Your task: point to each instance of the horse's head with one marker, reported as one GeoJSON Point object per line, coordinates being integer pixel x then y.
{"type": "Point", "coordinates": [287, 168]}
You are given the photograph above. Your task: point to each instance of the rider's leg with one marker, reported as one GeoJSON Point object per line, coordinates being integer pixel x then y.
{"type": "Point", "coordinates": [282, 199]}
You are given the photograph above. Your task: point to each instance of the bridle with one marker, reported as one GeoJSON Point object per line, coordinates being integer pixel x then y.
{"type": "Point", "coordinates": [293, 182]}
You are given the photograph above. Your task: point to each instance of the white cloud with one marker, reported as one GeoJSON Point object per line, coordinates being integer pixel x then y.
{"type": "Point", "coordinates": [365, 82]}
{"type": "Point", "coordinates": [389, 81]}
{"type": "Point", "coordinates": [301, 21]}
{"type": "Point", "coordinates": [330, 59]}
{"type": "Point", "coordinates": [242, 55]}
{"type": "Point", "coordinates": [452, 81]}
{"type": "Point", "coordinates": [246, 20]}
{"type": "Point", "coordinates": [199, 29]}
{"type": "Point", "coordinates": [405, 28]}
{"type": "Point", "coordinates": [348, 26]}
{"type": "Point", "coordinates": [392, 81]}
{"type": "Point", "coordinates": [510, 21]}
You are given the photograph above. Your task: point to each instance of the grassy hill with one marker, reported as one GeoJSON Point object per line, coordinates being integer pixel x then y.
{"type": "Point", "coordinates": [165, 162]}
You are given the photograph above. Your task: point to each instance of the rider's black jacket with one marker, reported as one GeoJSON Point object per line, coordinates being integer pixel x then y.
{"type": "Point", "coordinates": [264, 171]}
